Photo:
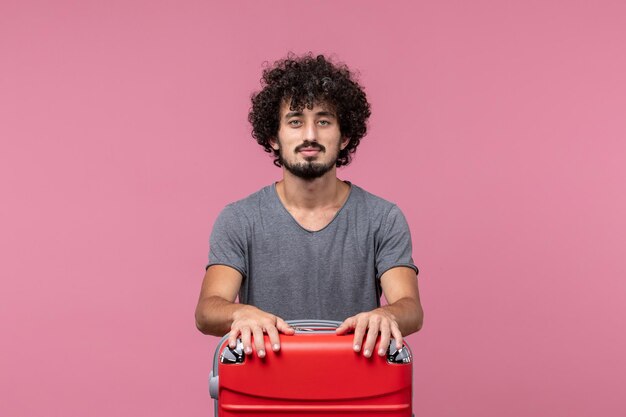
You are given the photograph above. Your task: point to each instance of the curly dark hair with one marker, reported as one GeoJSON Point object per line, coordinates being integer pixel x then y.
{"type": "Point", "coordinates": [306, 81]}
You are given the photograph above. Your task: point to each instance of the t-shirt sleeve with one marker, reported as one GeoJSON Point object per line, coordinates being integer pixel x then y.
{"type": "Point", "coordinates": [394, 247]}
{"type": "Point", "coordinates": [227, 244]}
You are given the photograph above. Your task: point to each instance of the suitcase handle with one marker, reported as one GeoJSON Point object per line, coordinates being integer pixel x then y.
{"type": "Point", "coordinates": [314, 326]}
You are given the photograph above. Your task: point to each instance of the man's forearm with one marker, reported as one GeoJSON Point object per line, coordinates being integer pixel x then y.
{"type": "Point", "coordinates": [215, 315]}
{"type": "Point", "coordinates": [408, 314]}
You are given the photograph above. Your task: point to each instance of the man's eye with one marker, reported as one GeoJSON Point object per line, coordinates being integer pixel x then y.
{"type": "Point", "coordinates": [294, 122]}
{"type": "Point", "coordinates": [324, 122]}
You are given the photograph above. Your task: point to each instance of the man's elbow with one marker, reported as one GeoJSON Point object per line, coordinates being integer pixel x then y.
{"type": "Point", "coordinates": [202, 322]}
{"type": "Point", "coordinates": [417, 320]}
{"type": "Point", "coordinates": [420, 320]}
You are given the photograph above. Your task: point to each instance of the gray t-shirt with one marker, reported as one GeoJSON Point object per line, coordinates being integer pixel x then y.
{"type": "Point", "coordinates": [294, 273]}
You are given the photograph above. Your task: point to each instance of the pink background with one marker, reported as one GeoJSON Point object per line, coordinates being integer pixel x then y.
{"type": "Point", "coordinates": [498, 127]}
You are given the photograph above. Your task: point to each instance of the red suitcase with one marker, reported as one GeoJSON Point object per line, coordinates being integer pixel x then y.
{"type": "Point", "coordinates": [315, 373]}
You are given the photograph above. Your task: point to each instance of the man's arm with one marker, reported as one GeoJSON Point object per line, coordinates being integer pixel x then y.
{"type": "Point", "coordinates": [217, 313]}
{"type": "Point", "coordinates": [402, 316]}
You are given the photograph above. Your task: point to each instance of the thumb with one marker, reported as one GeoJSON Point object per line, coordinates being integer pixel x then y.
{"type": "Point", "coordinates": [345, 326]}
{"type": "Point", "coordinates": [283, 327]}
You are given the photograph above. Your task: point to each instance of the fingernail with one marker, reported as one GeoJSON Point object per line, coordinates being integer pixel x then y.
{"type": "Point", "coordinates": [381, 352]}
{"type": "Point", "coordinates": [357, 348]}
{"type": "Point", "coordinates": [261, 353]}
{"type": "Point", "coordinates": [248, 350]}
{"type": "Point", "coordinates": [366, 353]}
{"type": "Point", "coordinates": [276, 346]}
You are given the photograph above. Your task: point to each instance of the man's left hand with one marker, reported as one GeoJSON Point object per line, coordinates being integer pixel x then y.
{"type": "Point", "coordinates": [369, 325]}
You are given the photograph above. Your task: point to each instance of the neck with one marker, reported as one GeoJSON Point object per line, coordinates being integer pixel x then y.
{"type": "Point", "coordinates": [327, 190]}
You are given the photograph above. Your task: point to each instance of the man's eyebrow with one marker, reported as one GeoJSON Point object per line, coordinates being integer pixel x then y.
{"type": "Point", "coordinates": [319, 113]}
{"type": "Point", "coordinates": [292, 114]}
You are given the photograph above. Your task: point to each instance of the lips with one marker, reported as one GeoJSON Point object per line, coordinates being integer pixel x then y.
{"type": "Point", "coordinates": [309, 148]}
{"type": "Point", "coordinates": [309, 151]}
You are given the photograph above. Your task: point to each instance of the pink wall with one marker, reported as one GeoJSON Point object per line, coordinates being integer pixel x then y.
{"type": "Point", "coordinates": [498, 127]}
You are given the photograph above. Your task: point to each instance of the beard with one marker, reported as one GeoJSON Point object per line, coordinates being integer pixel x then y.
{"type": "Point", "coordinates": [310, 169]}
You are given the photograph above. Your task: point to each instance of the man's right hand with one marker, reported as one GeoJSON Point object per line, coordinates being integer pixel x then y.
{"type": "Point", "coordinates": [217, 313]}
{"type": "Point", "coordinates": [250, 324]}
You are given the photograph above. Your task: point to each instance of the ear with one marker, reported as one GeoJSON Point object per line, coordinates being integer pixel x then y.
{"type": "Point", "coordinates": [274, 143]}
{"type": "Point", "coordinates": [344, 142]}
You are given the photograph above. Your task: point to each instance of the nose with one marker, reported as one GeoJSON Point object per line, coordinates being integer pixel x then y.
{"type": "Point", "coordinates": [310, 132]}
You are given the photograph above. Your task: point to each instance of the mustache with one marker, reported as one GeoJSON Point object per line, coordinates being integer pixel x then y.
{"type": "Point", "coordinates": [310, 145]}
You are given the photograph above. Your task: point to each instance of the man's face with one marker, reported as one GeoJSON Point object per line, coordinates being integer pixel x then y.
{"type": "Point", "coordinates": [308, 141]}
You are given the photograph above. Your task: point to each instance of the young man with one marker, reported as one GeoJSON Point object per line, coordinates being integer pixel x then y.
{"type": "Point", "coordinates": [310, 246]}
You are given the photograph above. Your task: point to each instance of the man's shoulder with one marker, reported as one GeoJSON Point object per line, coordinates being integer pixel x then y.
{"type": "Point", "coordinates": [240, 214]}
{"type": "Point", "coordinates": [252, 201]}
{"type": "Point", "coordinates": [371, 200]}
{"type": "Point", "coordinates": [381, 212]}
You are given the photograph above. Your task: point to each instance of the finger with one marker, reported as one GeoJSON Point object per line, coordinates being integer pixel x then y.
{"type": "Point", "coordinates": [283, 327]}
{"type": "Point", "coordinates": [245, 339]}
{"type": "Point", "coordinates": [372, 335]}
{"type": "Point", "coordinates": [232, 338]}
{"type": "Point", "coordinates": [272, 332]}
{"type": "Point", "coordinates": [347, 325]}
{"type": "Point", "coordinates": [259, 341]}
{"type": "Point", "coordinates": [385, 335]}
{"type": "Point", "coordinates": [359, 332]}
{"type": "Point", "coordinates": [395, 331]}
